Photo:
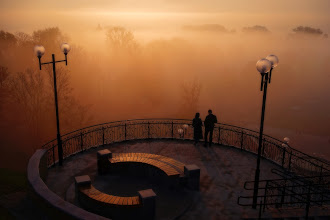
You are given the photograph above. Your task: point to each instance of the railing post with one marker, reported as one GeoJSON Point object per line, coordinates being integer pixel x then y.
{"type": "Point", "coordinates": [219, 136]}
{"type": "Point", "coordinates": [54, 154]}
{"type": "Point", "coordinates": [283, 194]}
{"type": "Point", "coordinates": [322, 190]}
{"type": "Point", "coordinates": [263, 147]}
{"type": "Point", "coordinates": [290, 161]}
{"type": "Point", "coordinates": [242, 139]}
{"type": "Point", "coordinates": [265, 195]}
{"type": "Point", "coordinates": [260, 209]}
{"type": "Point", "coordinates": [81, 142]}
{"type": "Point", "coordinates": [103, 136]}
{"type": "Point", "coordinates": [125, 131]}
{"type": "Point", "coordinates": [308, 201]}
{"type": "Point", "coordinates": [283, 157]}
{"type": "Point", "coordinates": [172, 130]}
{"type": "Point", "coordinates": [320, 180]}
{"type": "Point", "coordinates": [148, 130]}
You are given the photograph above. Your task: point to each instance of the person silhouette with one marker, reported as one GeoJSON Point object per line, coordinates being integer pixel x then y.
{"type": "Point", "coordinates": [198, 132]}
{"type": "Point", "coordinates": [209, 122]}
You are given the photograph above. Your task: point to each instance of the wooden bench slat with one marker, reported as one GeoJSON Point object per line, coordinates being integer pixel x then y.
{"type": "Point", "coordinates": [136, 200]}
{"type": "Point", "coordinates": [115, 201]}
{"type": "Point", "coordinates": [112, 199]}
{"type": "Point", "coordinates": [125, 201]}
{"type": "Point", "coordinates": [119, 202]}
{"type": "Point", "coordinates": [105, 198]}
{"type": "Point", "coordinates": [168, 165]}
{"type": "Point", "coordinates": [101, 197]}
{"type": "Point", "coordinates": [129, 201]}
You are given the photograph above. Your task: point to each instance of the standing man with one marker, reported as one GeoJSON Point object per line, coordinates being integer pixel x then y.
{"type": "Point", "coordinates": [209, 122]}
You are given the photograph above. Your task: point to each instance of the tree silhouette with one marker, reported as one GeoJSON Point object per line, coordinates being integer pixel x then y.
{"type": "Point", "coordinates": [256, 29]}
{"type": "Point", "coordinates": [190, 96]}
{"type": "Point", "coordinates": [27, 92]}
{"type": "Point", "coordinates": [73, 115]}
{"type": "Point", "coordinates": [121, 40]}
{"type": "Point", "coordinates": [307, 30]}
{"type": "Point", "coordinates": [7, 40]}
{"type": "Point", "coordinates": [4, 73]}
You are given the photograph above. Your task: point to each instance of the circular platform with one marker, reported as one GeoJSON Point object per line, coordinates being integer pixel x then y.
{"type": "Point", "coordinates": [223, 173]}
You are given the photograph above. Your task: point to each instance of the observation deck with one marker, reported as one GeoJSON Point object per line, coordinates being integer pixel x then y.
{"type": "Point", "coordinates": [224, 167]}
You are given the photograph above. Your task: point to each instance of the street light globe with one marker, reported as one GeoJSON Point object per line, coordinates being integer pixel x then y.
{"type": "Point", "coordinates": [264, 65]}
{"type": "Point", "coordinates": [185, 126]}
{"type": "Point", "coordinates": [39, 50]}
{"type": "Point", "coordinates": [273, 59]}
{"type": "Point", "coordinates": [180, 130]}
{"type": "Point", "coordinates": [65, 47]}
{"type": "Point", "coordinates": [286, 140]}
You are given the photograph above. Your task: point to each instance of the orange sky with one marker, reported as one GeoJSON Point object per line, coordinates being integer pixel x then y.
{"type": "Point", "coordinates": [24, 15]}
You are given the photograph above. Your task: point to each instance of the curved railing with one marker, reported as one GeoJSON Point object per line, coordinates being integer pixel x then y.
{"type": "Point", "coordinates": [224, 134]}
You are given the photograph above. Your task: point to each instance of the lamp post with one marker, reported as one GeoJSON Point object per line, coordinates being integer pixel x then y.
{"type": "Point", "coordinates": [265, 67]}
{"type": "Point", "coordinates": [39, 51]}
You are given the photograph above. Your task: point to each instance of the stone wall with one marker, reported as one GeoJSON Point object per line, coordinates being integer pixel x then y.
{"type": "Point", "coordinates": [52, 204]}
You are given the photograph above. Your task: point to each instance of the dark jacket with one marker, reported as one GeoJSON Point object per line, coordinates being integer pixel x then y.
{"type": "Point", "coordinates": [209, 122]}
{"type": "Point", "coordinates": [197, 124]}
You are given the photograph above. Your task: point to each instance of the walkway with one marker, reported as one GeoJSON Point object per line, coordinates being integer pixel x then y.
{"type": "Point", "coordinates": [223, 173]}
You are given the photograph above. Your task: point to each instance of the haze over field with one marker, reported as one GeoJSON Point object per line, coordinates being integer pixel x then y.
{"type": "Point", "coordinates": [165, 59]}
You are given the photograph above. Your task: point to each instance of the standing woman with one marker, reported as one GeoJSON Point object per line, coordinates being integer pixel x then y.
{"type": "Point", "coordinates": [197, 124]}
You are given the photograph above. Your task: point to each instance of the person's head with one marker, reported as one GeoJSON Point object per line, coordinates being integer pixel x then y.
{"type": "Point", "coordinates": [210, 111]}
{"type": "Point", "coordinates": [197, 115]}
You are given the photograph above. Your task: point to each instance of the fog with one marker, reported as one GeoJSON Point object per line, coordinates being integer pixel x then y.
{"type": "Point", "coordinates": [124, 70]}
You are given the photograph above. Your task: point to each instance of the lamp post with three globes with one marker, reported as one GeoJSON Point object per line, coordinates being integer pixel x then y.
{"type": "Point", "coordinates": [265, 67]}
{"type": "Point", "coordinates": [40, 51]}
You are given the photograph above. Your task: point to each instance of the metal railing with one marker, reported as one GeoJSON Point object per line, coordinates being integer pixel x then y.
{"type": "Point", "coordinates": [290, 191]}
{"type": "Point", "coordinates": [224, 134]}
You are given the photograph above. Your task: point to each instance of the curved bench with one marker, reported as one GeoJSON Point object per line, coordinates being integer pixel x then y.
{"type": "Point", "coordinates": [167, 169]}
{"type": "Point", "coordinates": [174, 163]}
{"type": "Point", "coordinates": [95, 194]}
{"type": "Point", "coordinates": [179, 173]}
{"type": "Point", "coordinates": [117, 207]}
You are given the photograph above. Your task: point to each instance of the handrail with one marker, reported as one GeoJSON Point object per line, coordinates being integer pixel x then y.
{"type": "Point", "coordinates": [225, 134]}
{"type": "Point", "coordinates": [223, 124]}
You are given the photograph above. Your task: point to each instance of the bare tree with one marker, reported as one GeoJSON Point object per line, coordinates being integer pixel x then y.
{"type": "Point", "coordinates": [121, 40]}
{"type": "Point", "coordinates": [190, 96]}
{"type": "Point", "coordinates": [3, 75]}
{"type": "Point", "coordinates": [73, 115]}
{"type": "Point", "coordinates": [7, 39]}
{"type": "Point", "coordinates": [26, 90]}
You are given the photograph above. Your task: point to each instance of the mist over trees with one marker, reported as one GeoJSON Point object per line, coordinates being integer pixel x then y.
{"type": "Point", "coordinates": [308, 31]}
{"type": "Point", "coordinates": [191, 91]}
{"type": "Point", "coordinates": [27, 94]}
{"type": "Point", "coordinates": [118, 76]}
{"type": "Point", "coordinates": [256, 29]}
{"type": "Point", "coordinates": [121, 40]}
{"type": "Point", "coordinates": [216, 28]}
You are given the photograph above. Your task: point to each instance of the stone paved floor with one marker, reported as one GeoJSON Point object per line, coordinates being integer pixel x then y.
{"type": "Point", "coordinates": [223, 173]}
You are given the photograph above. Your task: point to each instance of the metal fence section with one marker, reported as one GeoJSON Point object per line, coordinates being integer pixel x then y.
{"type": "Point", "coordinates": [224, 134]}
{"type": "Point", "coordinates": [290, 191]}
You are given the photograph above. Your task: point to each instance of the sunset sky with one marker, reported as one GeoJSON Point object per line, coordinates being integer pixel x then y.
{"type": "Point", "coordinates": [23, 15]}
{"type": "Point", "coordinates": [165, 55]}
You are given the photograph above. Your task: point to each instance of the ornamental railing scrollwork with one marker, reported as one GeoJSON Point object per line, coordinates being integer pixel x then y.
{"type": "Point", "coordinates": [224, 134]}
